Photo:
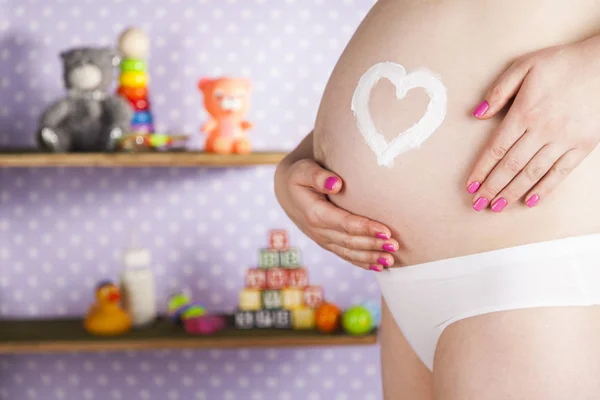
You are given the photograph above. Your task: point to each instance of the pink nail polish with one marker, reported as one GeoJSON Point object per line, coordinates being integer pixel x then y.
{"type": "Point", "coordinates": [389, 247]}
{"type": "Point", "coordinates": [376, 268]}
{"type": "Point", "coordinates": [330, 182]}
{"type": "Point", "coordinates": [480, 204]}
{"type": "Point", "coordinates": [481, 109]}
{"type": "Point", "coordinates": [473, 187]}
{"type": "Point", "coordinates": [533, 200]}
{"type": "Point", "coordinates": [382, 236]}
{"type": "Point", "coordinates": [499, 204]}
{"type": "Point", "coordinates": [383, 261]}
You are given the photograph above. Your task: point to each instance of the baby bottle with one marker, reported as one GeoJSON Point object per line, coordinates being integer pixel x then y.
{"type": "Point", "coordinates": [138, 285]}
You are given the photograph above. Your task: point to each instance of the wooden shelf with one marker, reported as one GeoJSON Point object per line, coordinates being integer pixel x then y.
{"type": "Point", "coordinates": [66, 335]}
{"type": "Point", "coordinates": [20, 159]}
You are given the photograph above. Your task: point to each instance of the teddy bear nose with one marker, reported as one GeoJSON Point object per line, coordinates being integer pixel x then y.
{"type": "Point", "coordinates": [231, 103]}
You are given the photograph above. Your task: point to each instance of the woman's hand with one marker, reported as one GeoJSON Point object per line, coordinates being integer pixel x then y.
{"type": "Point", "coordinates": [302, 188]}
{"type": "Point", "coordinates": [552, 125]}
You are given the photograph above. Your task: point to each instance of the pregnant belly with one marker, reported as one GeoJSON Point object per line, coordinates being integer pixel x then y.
{"type": "Point", "coordinates": [422, 196]}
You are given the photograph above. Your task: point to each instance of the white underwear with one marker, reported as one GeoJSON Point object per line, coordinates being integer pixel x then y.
{"type": "Point", "coordinates": [424, 299]}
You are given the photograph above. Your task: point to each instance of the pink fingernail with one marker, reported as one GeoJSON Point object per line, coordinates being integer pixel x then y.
{"type": "Point", "coordinates": [376, 268]}
{"type": "Point", "coordinates": [382, 236]}
{"type": "Point", "coordinates": [389, 247]}
{"type": "Point", "coordinates": [533, 200]}
{"type": "Point", "coordinates": [330, 182]}
{"type": "Point", "coordinates": [383, 261]}
{"type": "Point", "coordinates": [481, 109]}
{"type": "Point", "coordinates": [480, 204]}
{"type": "Point", "coordinates": [499, 204]}
{"type": "Point", "coordinates": [473, 187]}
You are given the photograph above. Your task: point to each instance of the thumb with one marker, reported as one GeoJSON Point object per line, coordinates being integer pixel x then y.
{"type": "Point", "coordinates": [310, 174]}
{"type": "Point", "coordinates": [504, 89]}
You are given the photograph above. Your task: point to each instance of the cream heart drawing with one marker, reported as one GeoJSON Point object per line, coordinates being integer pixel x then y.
{"type": "Point", "coordinates": [416, 135]}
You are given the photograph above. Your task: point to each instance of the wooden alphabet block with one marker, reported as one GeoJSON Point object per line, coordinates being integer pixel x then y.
{"type": "Point", "coordinates": [292, 298]}
{"type": "Point", "coordinates": [303, 318]}
{"type": "Point", "coordinates": [282, 319]}
{"type": "Point", "coordinates": [269, 259]}
{"type": "Point", "coordinates": [277, 278]}
{"type": "Point", "coordinates": [313, 296]}
{"type": "Point", "coordinates": [256, 278]}
{"type": "Point", "coordinates": [278, 239]}
{"type": "Point", "coordinates": [244, 319]}
{"type": "Point", "coordinates": [298, 278]}
{"type": "Point", "coordinates": [290, 258]}
{"type": "Point", "coordinates": [271, 299]}
{"type": "Point", "coordinates": [250, 299]}
{"type": "Point", "coordinates": [263, 319]}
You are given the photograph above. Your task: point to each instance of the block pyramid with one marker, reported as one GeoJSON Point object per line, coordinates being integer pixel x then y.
{"type": "Point", "coordinates": [277, 294]}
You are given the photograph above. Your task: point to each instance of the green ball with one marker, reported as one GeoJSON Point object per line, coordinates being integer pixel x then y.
{"type": "Point", "coordinates": [357, 321]}
{"type": "Point", "coordinates": [133, 65]}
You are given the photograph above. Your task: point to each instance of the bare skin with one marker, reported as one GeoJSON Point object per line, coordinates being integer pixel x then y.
{"type": "Point", "coordinates": [423, 202]}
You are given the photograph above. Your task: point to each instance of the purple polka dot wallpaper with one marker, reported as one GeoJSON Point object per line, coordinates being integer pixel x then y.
{"type": "Point", "coordinates": [63, 230]}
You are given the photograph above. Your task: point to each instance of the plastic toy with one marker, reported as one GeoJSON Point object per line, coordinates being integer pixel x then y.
{"type": "Point", "coordinates": [227, 101]}
{"type": "Point", "coordinates": [328, 318]}
{"type": "Point", "coordinates": [272, 299]}
{"type": "Point", "coordinates": [374, 309]}
{"type": "Point", "coordinates": [303, 318]}
{"type": "Point", "coordinates": [277, 278]}
{"type": "Point", "coordinates": [256, 279]}
{"type": "Point", "coordinates": [244, 319]}
{"type": "Point", "coordinates": [134, 46]}
{"type": "Point", "coordinates": [264, 319]}
{"type": "Point", "coordinates": [298, 278]}
{"type": "Point", "coordinates": [146, 141]}
{"type": "Point", "coordinates": [278, 239]}
{"type": "Point", "coordinates": [106, 317]}
{"type": "Point", "coordinates": [357, 321]}
{"type": "Point", "coordinates": [204, 325]}
{"type": "Point", "coordinates": [269, 258]}
{"type": "Point", "coordinates": [292, 298]}
{"type": "Point", "coordinates": [282, 319]}
{"type": "Point", "coordinates": [88, 118]}
{"type": "Point", "coordinates": [290, 258]}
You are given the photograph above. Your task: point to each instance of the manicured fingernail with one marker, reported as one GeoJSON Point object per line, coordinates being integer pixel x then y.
{"type": "Point", "coordinates": [389, 247]}
{"type": "Point", "coordinates": [382, 236]}
{"type": "Point", "coordinates": [383, 261]}
{"type": "Point", "coordinates": [480, 204]}
{"type": "Point", "coordinates": [330, 182]}
{"type": "Point", "coordinates": [473, 187]}
{"type": "Point", "coordinates": [376, 268]}
{"type": "Point", "coordinates": [481, 109]}
{"type": "Point", "coordinates": [499, 204]}
{"type": "Point", "coordinates": [533, 200]}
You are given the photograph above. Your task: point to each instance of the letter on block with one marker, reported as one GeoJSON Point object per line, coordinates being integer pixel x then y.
{"type": "Point", "coordinates": [256, 278]}
{"type": "Point", "coordinates": [303, 318]}
{"type": "Point", "coordinates": [244, 319]}
{"type": "Point", "coordinates": [278, 239]}
{"type": "Point", "coordinates": [298, 278]}
{"type": "Point", "coordinates": [271, 299]}
{"type": "Point", "coordinates": [277, 278]}
{"type": "Point", "coordinates": [282, 319]}
{"type": "Point", "coordinates": [290, 258]}
{"type": "Point", "coordinates": [314, 296]}
{"type": "Point", "coordinates": [268, 259]}
{"type": "Point", "coordinates": [250, 299]}
{"type": "Point", "coordinates": [292, 298]}
{"type": "Point", "coordinates": [263, 319]}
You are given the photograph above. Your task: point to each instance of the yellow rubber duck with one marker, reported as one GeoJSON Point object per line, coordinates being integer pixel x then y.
{"type": "Point", "coordinates": [106, 317]}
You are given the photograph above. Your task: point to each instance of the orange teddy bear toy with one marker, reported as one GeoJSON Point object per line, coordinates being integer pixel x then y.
{"type": "Point", "coordinates": [227, 101]}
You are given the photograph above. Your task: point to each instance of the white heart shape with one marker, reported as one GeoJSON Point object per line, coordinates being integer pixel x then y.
{"type": "Point", "coordinates": [416, 135]}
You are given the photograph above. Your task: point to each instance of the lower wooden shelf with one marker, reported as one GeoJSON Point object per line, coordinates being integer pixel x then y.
{"type": "Point", "coordinates": [67, 335]}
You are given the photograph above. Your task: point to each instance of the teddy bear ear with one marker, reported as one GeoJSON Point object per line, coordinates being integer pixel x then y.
{"type": "Point", "coordinates": [204, 84]}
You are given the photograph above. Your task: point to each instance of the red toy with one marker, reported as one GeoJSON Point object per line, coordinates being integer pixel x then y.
{"type": "Point", "coordinates": [314, 296]}
{"type": "Point", "coordinates": [256, 278]}
{"type": "Point", "coordinates": [277, 278]}
{"type": "Point", "coordinates": [328, 318]}
{"type": "Point", "coordinates": [298, 278]}
{"type": "Point", "coordinates": [278, 239]}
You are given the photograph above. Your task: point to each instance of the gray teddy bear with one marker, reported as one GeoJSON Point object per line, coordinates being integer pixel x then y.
{"type": "Point", "coordinates": [89, 118]}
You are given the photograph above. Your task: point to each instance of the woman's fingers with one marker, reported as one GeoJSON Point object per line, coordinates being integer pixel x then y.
{"type": "Point", "coordinates": [531, 174]}
{"type": "Point", "coordinates": [378, 260]}
{"type": "Point", "coordinates": [559, 171]}
{"type": "Point", "coordinates": [310, 174]}
{"type": "Point", "coordinates": [504, 89]}
{"type": "Point", "coordinates": [507, 134]}
{"type": "Point", "coordinates": [506, 170]}
{"type": "Point", "coordinates": [365, 243]}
